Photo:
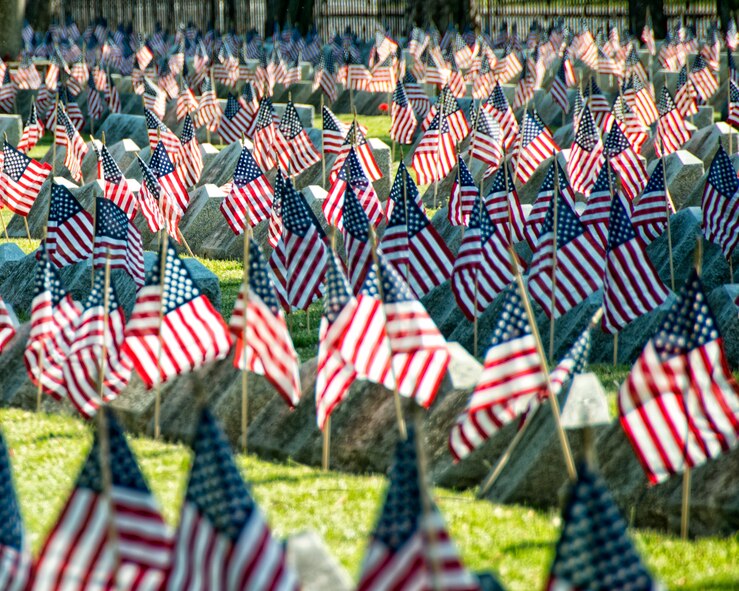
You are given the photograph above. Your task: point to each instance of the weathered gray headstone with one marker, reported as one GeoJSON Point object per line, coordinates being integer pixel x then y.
{"type": "Point", "coordinates": [12, 125]}
{"type": "Point", "coordinates": [683, 171]}
{"type": "Point", "coordinates": [120, 126]}
{"type": "Point", "coordinates": [315, 566]}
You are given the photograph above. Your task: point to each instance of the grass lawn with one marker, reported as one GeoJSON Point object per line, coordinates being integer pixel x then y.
{"type": "Point", "coordinates": [516, 542]}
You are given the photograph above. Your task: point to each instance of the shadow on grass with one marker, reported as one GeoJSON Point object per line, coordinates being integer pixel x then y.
{"type": "Point", "coordinates": [713, 585]}
{"type": "Point", "coordinates": [528, 545]}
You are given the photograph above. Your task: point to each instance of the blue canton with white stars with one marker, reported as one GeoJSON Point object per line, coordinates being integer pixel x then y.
{"type": "Point", "coordinates": [479, 218]}
{"type": "Point", "coordinates": [411, 190]}
{"type": "Point", "coordinates": [297, 215]}
{"type": "Point", "coordinates": [394, 289]}
{"type": "Point", "coordinates": [512, 322]}
{"type": "Point", "coordinates": [338, 290]}
{"type": "Point", "coordinates": [499, 181]}
{"type": "Point", "coordinates": [153, 122]}
{"type": "Point", "coordinates": [665, 104]}
{"type": "Point", "coordinates": [47, 279]}
{"type": "Point", "coordinates": [688, 324]}
{"type": "Point", "coordinates": [110, 220]}
{"type": "Point", "coordinates": [722, 176]}
{"type": "Point", "coordinates": [63, 204]}
{"type": "Point", "coordinates": [160, 163]}
{"type": "Point", "coordinates": [232, 107]}
{"type": "Point", "coordinates": [15, 162]}
{"type": "Point", "coordinates": [179, 287]}
{"type": "Point", "coordinates": [498, 99]}
{"type": "Point", "coordinates": [587, 133]}
{"type": "Point", "coordinates": [399, 96]}
{"type": "Point", "coordinates": [247, 170]}
{"type": "Point", "coordinates": [355, 218]}
{"type": "Point", "coordinates": [414, 219]}
{"type": "Point", "coordinates": [260, 281]}
{"type": "Point", "coordinates": [533, 126]}
{"type": "Point", "coordinates": [569, 226]}
{"type": "Point", "coordinates": [620, 229]}
{"type": "Point", "coordinates": [215, 486]}
{"type": "Point", "coordinates": [96, 299]}
{"type": "Point", "coordinates": [290, 125]}
{"type": "Point", "coordinates": [615, 142]}
{"type": "Point", "coordinates": [188, 130]}
{"type": "Point", "coordinates": [152, 184]}
{"type": "Point", "coordinates": [265, 114]}
{"type": "Point", "coordinates": [602, 184]}
{"type": "Point", "coordinates": [124, 470]}
{"type": "Point", "coordinates": [111, 171]}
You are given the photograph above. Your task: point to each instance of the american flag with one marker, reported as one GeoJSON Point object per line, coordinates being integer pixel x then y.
{"type": "Point", "coordinates": [113, 98]}
{"type": "Point", "coordinates": [76, 149]}
{"type": "Point", "coordinates": [482, 79]}
{"type": "Point", "coordinates": [177, 317]}
{"type": "Point", "coordinates": [536, 145]}
{"type": "Point", "coordinates": [79, 551]}
{"type": "Point", "coordinates": [558, 90]}
{"type": "Point", "coordinates": [621, 155]}
{"type": "Point", "coordinates": [513, 375]}
{"type": "Point", "coordinates": [721, 203]}
{"type": "Point", "coordinates": [434, 155]}
{"type": "Point", "coordinates": [356, 233]}
{"type": "Point", "coordinates": [672, 131]}
{"type": "Point", "coordinates": [15, 557]}
{"type": "Point", "coordinates": [463, 196]}
{"type": "Point", "coordinates": [186, 103]}
{"type": "Point", "coordinates": [32, 132]}
{"type": "Point", "coordinates": [154, 99]}
{"type": "Point", "coordinates": [503, 206]}
{"type": "Point", "coordinates": [410, 547]}
{"type": "Point", "coordinates": [235, 122]}
{"type": "Point", "coordinates": [634, 65]}
{"type": "Point", "coordinates": [703, 79]}
{"type": "Point", "coordinates": [250, 198]}
{"type": "Point", "coordinates": [158, 206]}
{"type": "Point", "coordinates": [482, 268]}
{"type": "Point", "coordinates": [352, 175]}
{"type": "Point", "coordinates": [732, 110]}
{"type": "Point", "coordinates": [264, 135]}
{"type": "Point", "coordinates": [403, 182]}
{"type": "Point", "coordinates": [538, 212]}
{"type": "Point", "coordinates": [454, 115]}
{"type": "Point", "coordinates": [418, 99]}
{"type": "Point", "coordinates": [275, 217]}
{"type": "Point", "coordinates": [608, 560]}
{"type": "Point", "coordinates": [415, 248]}
{"type": "Point", "coordinates": [159, 132]}
{"type": "Point", "coordinates": [650, 215]}
{"type": "Point", "coordinates": [168, 176]}
{"type": "Point", "coordinates": [383, 76]}
{"type": "Point", "coordinates": [607, 66]}
{"type": "Point", "coordinates": [580, 260]}
{"type": "Point", "coordinates": [685, 94]}
{"type": "Point", "coordinates": [26, 76]}
{"type": "Point", "coordinates": [117, 238]}
{"type": "Point", "coordinates": [680, 403]}
{"type": "Point", "coordinates": [53, 313]}
{"type": "Point", "coordinates": [295, 150]}
{"type": "Point", "coordinates": [335, 372]}
{"type": "Point", "coordinates": [144, 55]}
{"type": "Point", "coordinates": [640, 100]}
{"type": "Point", "coordinates": [8, 91]}
{"type": "Point", "coordinates": [325, 76]}
{"type": "Point", "coordinates": [355, 138]}
{"type": "Point", "coordinates": [21, 180]}
{"type": "Point", "coordinates": [486, 143]}
{"type": "Point", "coordinates": [8, 323]}
{"type": "Point", "coordinates": [94, 101]}
{"type": "Point", "coordinates": [191, 160]}
{"type": "Point", "coordinates": [586, 156]}
{"type": "Point", "coordinates": [508, 67]}
{"type": "Point", "coordinates": [334, 132]}
{"type": "Point", "coordinates": [419, 351]}
{"type": "Point", "coordinates": [599, 107]}
{"type": "Point", "coordinates": [263, 343]}
{"type": "Point", "coordinates": [220, 513]}
{"type": "Point", "coordinates": [403, 124]}
{"type": "Point", "coordinates": [299, 259]}
{"type": "Point", "coordinates": [115, 187]}
{"type": "Point", "coordinates": [249, 102]}
{"type": "Point", "coordinates": [574, 362]}
{"type": "Point", "coordinates": [524, 89]}
{"type": "Point", "coordinates": [633, 128]}
{"type": "Point", "coordinates": [93, 338]}
{"type": "Point", "coordinates": [647, 36]}
{"type": "Point", "coordinates": [631, 287]}
{"type": "Point", "coordinates": [597, 210]}
{"type": "Point", "coordinates": [70, 229]}
{"type": "Point", "coordinates": [209, 111]}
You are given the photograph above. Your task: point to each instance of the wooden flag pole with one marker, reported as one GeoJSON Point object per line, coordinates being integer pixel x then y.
{"type": "Point", "coordinates": [207, 125]}
{"type": "Point", "coordinates": [244, 371]}
{"type": "Point", "coordinates": [187, 246]}
{"type": "Point", "coordinates": [552, 310]}
{"type": "Point", "coordinates": [323, 149]}
{"type": "Point", "coordinates": [396, 394]}
{"type": "Point", "coordinates": [162, 273]}
{"type": "Point", "coordinates": [326, 455]}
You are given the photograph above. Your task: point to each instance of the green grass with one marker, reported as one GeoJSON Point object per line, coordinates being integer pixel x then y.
{"type": "Point", "coordinates": [514, 541]}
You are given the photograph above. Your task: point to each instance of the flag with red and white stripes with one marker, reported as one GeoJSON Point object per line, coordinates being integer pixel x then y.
{"type": "Point", "coordinates": [264, 135]}
{"type": "Point", "coordinates": [597, 210]}
{"type": "Point", "coordinates": [721, 203]}
{"type": "Point", "coordinates": [334, 132]}
{"type": "Point", "coordinates": [578, 271]}
{"type": "Point", "coordinates": [640, 100]}
{"type": "Point", "coordinates": [631, 286]}
{"type": "Point", "coordinates": [32, 132]}
{"type": "Point", "coordinates": [157, 205]}
{"type": "Point", "coordinates": [403, 123]}
{"type": "Point", "coordinates": [80, 552]}
{"type": "Point", "coordinates": [679, 407]}
{"type": "Point", "coordinates": [191, 160]}
{"type": "Point", "coordinates": [512, 376]}
{"type": "Point", "coordinates": [535, 145]}
{"type": "Point", "coordinates": [355, 139]}
{"type": "Point", "coordinates": [159, 132]}
{"type": "Point", "coordinates": [539, 210]}
{"type": "Point", "coordinates": [410, 547]}
{"type": "Point", "coordinates": [434, 156]}
{"type": "Point", "coordinates": [168, 176]}
{"type": "Point", "coordinates": [299, 259]}
{"type": "Point", "coordinates": [482, 267]}
{"type": "Point", "coordinates": [235, 122]}
{"type": "Point", "coordinates": [733, 106]}
{"type": "Point", "coordinates": [21, 180]}
{"type": "Point", "coordinates": [67, 136]}
{"type": "Point", "coordinates": [295, 150]}
{"type": "Point", "coordinates": [53, 313]}
{"type": "Point", "coordinates": [623, 159]}
{"type": "Point", "coordinates": [94, 360]}
{"type": "Point", "coordinates": [686, 98]}
{"type": "Point", "coordinates": [650, 215]}
{"type": "Point", "coordinates": [117, 239]}
{"type": "Point", "coordinates": [403, 185]}
{"type": "Point", "coordinates": [262, 342]}
{"type": "Point", "coordinates": [356, 232]}
{"type": "Point", "coordinates": [173, 328]}
{"type": "Point", "coordinates": [586, 156]}
{"type": "Point", "coordinates": [706, 84]}
{"type": "Point", "coordinates": [414, 247]}
{"type": "Point", "coordinates": [504, 207]}
{"type": "Point", "coordinates": [635, 131]}
{"type": "Point", "coordinates": [115, 185]}
{"type": "Point", "coordinates": [8, 323]}
{"type": "Point", "coordinates": [250, 198]}
{"type": "Point", "coordinates": [219, 513]}
{"type": "Point", "coordinates": [419, 352]}
{"type": "Point", "coordinates": [418, 99]}
{"type": "Point", "coordinates": [463, 195]}
{"type": "Point", "coordinates": [672, 132]}
{"type": "Point", "coordinates": [69, 230]}
{"type": "Point", "coordinates": [352, 174]}
{"type": "Point", "coordinates": [187, 104]}
{"type": "Point", "coordinates": [486, 142]}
